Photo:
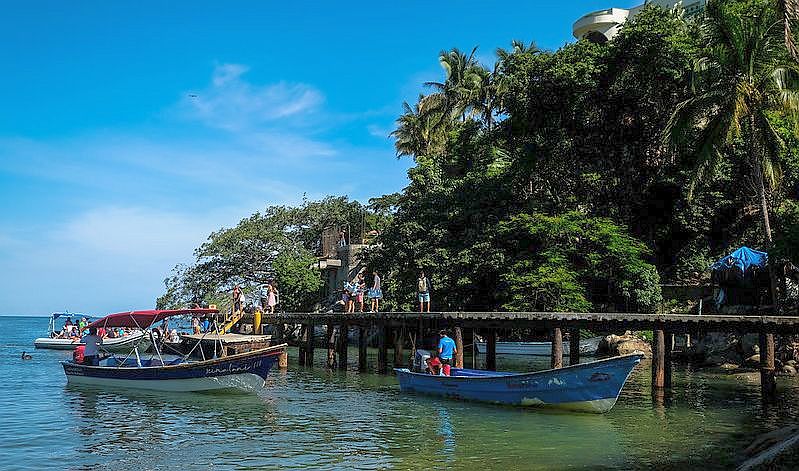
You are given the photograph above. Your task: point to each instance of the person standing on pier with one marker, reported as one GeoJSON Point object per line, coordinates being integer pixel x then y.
{"type": "Point", "coordinates": [360, 290]}
{"type": "Point", "coordinates": [238, 299]}
{"type": "Point", "coordinates": [423, 291]}
{"type": "Point", "coordinates": [376, 293]}
{"type": "Point", "coordinates": [271, 301]}
{"type": "Point", "coordinates": [446, 350]}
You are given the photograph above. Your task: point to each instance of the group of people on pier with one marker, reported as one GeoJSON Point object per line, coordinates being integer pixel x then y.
{"type": "Point", "coordinates": [355, 292]}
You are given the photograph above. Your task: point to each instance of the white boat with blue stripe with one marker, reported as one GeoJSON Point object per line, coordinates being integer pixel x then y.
{"type": "Point", "coordinates": [244, 371]}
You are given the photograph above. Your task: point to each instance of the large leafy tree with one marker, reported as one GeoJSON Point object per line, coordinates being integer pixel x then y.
{"type": "Point", "coordinates": [742, 76]}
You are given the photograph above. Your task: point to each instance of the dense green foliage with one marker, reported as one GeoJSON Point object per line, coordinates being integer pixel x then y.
{"type": "Point", "coordinates": [573, 179]}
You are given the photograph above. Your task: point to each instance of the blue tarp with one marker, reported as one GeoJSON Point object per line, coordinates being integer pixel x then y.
{"type": "Point", "coordinates": [741, 261]}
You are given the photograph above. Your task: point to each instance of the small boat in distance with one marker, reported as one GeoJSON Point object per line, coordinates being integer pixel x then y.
{"type": "Point", "coordinates": [244, 371]}
{"type": "Point", "coordinates": [587, 387]}
{"type": "Point", "coordinates": [119, 344]}
{"type": "Point", "coordinates": [544, 349]}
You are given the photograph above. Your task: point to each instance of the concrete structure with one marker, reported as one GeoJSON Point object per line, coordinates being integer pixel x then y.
{"type": "Point", "coordinates": [603, 25]}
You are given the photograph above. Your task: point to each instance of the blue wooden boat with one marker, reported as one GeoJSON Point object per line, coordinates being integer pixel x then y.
{"type": "Point", "coordinates": [587, 387]}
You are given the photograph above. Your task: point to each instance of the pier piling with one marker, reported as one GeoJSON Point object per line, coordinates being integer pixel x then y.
{"type": "Point", "coordinates": [301, 344]}
{"type": "Point", "coordinates": [399, 356]}
{"type": "Point", "coordinates": [362, 348]}
{"type": "Point", "coordinates": [556, 359]}
{"type": "Point", "coordinates": [283, 361]}
{"type": "Point", "coordinates": [574, 346]}
{"type": "Point", "coordinates": [768, 383]}
{"type": "Point", "coordinates": [458, 347]}
{"type": "Point", "coordinates": [382, 349]}
{"type": "Point", "coordinates": [658, 359]}
{"type": "Point", "coordinates": [343, 340]}
{"type": "Point", "coordinates": [491, 350]}
{"type": "Point", "coordinates": [309, 341]}
{"type": "Point", "coordinates": [331, 346]}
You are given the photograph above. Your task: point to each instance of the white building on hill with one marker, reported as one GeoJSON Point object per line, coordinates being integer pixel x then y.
{"type": "Point", "coordinates": [603, 25]}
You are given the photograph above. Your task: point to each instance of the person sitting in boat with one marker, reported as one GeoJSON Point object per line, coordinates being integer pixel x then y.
{"type": "Point", "coordinates": [446, 350]}
{"type": "Point", "coordinates": [433, 364]}
{"type": "Point", "coordinates": [91, 354]}
{"type": "Point", "coordinates": [195, 325]}
{"type": "Point", "coordinates": [173, 336]}
{"type": "Point", "coordinates": [206, 324]}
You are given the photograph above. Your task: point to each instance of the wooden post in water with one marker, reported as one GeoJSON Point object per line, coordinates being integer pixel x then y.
{"type": "Point", "coordinates": [768, 384]}
{"type": "Point", "coordinates": [309, 341]}
{"type": "Point", "coordinates": [302, 342]}
{"type": "Point", "coordinates": [382, 349]}
{"type": "Point", "coordinates": [667, 361]}
{"type": "Point", "coordinates": [658, 360]}
{"type": "Point", "coordinates": [574, 346]}
{"type": "Point", "coordinates": [399, 361]}
{"type": "Point", "coordinates": [458, 347]}
{"type": "Point", "coordinates": [362, 348]}
{"type": "Point", "coordinates": [331, 346]}
{"type": "Point", "coordinates": [556, 360]}
{"type": "Point", "coordinates": [343, 340]}
{"type": "Point", "coordinates": [491, 350]}
{"type": "Point", "coordinates": [283, 360]}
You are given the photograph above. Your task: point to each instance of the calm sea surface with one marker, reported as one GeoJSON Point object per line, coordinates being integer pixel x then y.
{"type": "Point", "coordinates": [315, 419]}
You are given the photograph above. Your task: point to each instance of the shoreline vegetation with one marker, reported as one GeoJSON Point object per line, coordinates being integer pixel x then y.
{"type": "Point", "coordinates": [579, 179]}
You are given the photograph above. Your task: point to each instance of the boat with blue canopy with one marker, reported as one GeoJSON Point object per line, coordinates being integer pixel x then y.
{"type": "Point", "coordinates": [587, 387]}
{"type": "Point", "coordinates": [243, 371]}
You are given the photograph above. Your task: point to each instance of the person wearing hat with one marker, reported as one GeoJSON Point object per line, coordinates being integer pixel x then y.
{"type": "Point", "coordinates": [446, 350]}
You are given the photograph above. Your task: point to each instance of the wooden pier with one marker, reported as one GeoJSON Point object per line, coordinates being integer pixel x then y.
{"type": "Point", "coordinates": [394, 327]}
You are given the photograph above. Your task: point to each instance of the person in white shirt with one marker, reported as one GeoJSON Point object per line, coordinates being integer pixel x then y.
{"type": "Point", "coordinates": [91, 354]}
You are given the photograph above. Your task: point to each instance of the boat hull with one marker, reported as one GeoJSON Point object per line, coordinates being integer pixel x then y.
{"type": "Point", "coordinates": [116, 345]}
{"type": "Point", "coordinates": [587, 387]}
{"type": "Point", "coordinates": [245, 371]}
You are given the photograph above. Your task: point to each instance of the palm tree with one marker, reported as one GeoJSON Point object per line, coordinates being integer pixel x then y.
{"type": "Point", "coordinates": [415, 133]}
{"type": "Point", "coordinates": [452, 96]}
{"type": "Point", "coordinates": [789, 9]}
{"type": "Point", "coordinates": [743, 74]}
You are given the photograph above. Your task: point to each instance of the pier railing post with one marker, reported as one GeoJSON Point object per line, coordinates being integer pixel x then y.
{"type": "Point", "coordinates": [658, 359]}
{"type": "Point", "coordinates": [343, 340]}
{"type": "Point", "coordinates": [362, 348]}
{"type": "Point", "coordinates": [382, 349]}
{"type": "Point", "coordinates": [491, 350]}
{"type": "Point", "coordinates": [574, 346]}
{"type": "Point", "coordinates": [768, 383]}
{"type": "Point", "coordinates": [331, 345]}
{"type": "Point", "coordinates": [556, 359]}
{"type": "Point", "coordinates": [458, 347]}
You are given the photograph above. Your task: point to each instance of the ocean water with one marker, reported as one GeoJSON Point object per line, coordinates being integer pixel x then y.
{"type": "Point", "coordinates": [310, 418]}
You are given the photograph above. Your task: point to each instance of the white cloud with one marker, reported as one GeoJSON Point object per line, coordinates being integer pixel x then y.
{"type": "Point", "coordinates": [233, 104]}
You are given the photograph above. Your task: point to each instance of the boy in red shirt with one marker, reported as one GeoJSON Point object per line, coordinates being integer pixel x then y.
{"type": "Point", "coordinates": [433, 364]}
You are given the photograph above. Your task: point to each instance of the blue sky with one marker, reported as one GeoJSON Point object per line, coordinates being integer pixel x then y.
{"type": "Point", "coordinates": [112, 171]}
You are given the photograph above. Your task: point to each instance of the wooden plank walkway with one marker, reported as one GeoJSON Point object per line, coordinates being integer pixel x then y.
{"type": "Point", "coordinates": [675, 323]}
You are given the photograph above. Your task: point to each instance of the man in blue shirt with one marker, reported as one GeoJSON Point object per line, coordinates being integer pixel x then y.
{"type": "Point", "coordinates": [446, 350]}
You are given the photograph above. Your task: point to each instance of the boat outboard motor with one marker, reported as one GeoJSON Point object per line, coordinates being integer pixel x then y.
{"type": "Point", "coordinates": [420, 360]}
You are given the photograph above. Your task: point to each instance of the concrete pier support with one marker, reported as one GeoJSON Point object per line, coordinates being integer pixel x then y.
{"type": "Point", "coordinates": [343, 341]}
{"type": "Point", "coordinates": [768, 382]}
{"type": "Point", "coordinates": [556, 359]}
{"type": "Point", "coordinates": [458, 347]}
{"type": "Point", "coordinates": [574, 346]}
{"type": "Point", "coordinates": [491, 350]}
{"type": "Point", "coordinates": [362, 348]}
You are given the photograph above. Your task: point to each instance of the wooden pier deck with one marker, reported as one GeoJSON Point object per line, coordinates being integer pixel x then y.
{"type": "Point", "coordinates": [397, 325]}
